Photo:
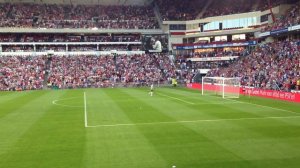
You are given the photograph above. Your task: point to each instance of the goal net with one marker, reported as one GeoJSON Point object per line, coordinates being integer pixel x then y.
{"type": "Point", "coordinates": [225, 87]}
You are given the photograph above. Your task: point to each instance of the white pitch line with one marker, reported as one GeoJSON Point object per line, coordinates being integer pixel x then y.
{"type": "Point", "coordinates": [222, 103]}
{"type": "Point", "coordinates": [274, 108]}
{"type": "Point", "coordinates": [193, 121]}
{"type": "Point", "coordinates": [176, 98]}
{"type": "Point", "coordinates": [85, 111]}
{"type": "Point", "coordinates": [63, 105]}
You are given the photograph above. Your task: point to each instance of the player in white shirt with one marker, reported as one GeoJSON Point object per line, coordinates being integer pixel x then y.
{"type": "Point", "coordinates": [151, 89]}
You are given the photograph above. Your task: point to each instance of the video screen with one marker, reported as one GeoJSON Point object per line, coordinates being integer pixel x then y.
{"type": "Point", "coordinates": [155, 43]}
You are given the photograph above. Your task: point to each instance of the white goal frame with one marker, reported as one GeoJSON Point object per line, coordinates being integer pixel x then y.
{"type": "Point", "coordinates": [223, 84]}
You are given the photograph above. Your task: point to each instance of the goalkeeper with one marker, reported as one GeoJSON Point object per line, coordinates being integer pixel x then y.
{"type": "Point", "coordinates": [174, 82]}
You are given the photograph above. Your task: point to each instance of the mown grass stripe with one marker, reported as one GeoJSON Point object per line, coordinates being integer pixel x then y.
{"type": "Point", "coordinates": [11, 105]}
{"type": "Point", "coordinates": [54, 137]}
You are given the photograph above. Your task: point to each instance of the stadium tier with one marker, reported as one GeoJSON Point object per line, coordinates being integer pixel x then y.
{"type": "Point", "coordinates": [86, 71]}
{"type": "Point", "coordinates": [290, 18]}
{"type": "Point", "coordinates": [196, 9]}
{"type": "Point", "coordinates": [79, 16]}
{"type": "Point", "coordinates": [33, 37]}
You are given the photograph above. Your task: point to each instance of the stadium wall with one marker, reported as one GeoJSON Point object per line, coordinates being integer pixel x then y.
{"type": "Point", "coordinates": [270, 94]}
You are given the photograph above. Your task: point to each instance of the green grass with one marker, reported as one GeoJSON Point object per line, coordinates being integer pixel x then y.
{"type": "Point", "coordinates": [128, 128]}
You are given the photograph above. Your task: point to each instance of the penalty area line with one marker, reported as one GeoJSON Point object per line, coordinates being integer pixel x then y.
{"type": "Point", "coordinates": [175, 98]}
{"type": "Point", "coordinates": [274, 108]}
{"type": "Point", "coordinates": [85, 111]}
{"type": "Point", "coordinates": [193, 121]}
{"type": "Point", "coordinates": [259, 105]}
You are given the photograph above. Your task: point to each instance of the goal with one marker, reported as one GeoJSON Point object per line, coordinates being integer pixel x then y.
{"type": "Point", "coordinates": [225, 87]}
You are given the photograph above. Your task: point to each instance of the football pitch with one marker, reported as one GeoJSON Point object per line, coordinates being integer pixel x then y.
{"type": "Point", "coordinates": [127, 128]}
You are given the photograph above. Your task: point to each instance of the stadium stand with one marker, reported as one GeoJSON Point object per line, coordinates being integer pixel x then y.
{"type": "Point", "coordinates": [217, 54]}
{"type": "Point", "coordinates": [22, 73]}
{"type": "Point", "coordinates": [176, 10]}
{"type": "Point", "coordinates": [264, 5]}
{"type": "Point", "coordinates": [28, 72]}
{"type": "Point", "coordinates": [80, 16]}
{"type": "Point", "coordinates": [274, 66]}
{"type": "Point", "coordinates": [227, 7]}
{"type": "Point", "coordinates": [105, 71]}
{"type": "Point", "coordinates": [86, 70]}
{"type": "Point", "coordinates": [290, 18]}
{"type": "Point", "coordinates": [195, 9]}
{"type": "Point", "coordinates": [69, 38]}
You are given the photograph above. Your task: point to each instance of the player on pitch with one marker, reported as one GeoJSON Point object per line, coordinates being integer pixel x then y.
{"type": "Point", "coordinates": [151, 89]}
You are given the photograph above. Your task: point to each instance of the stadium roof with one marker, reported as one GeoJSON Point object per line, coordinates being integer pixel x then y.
{"type": "Point", "coordinates": [100, 2]}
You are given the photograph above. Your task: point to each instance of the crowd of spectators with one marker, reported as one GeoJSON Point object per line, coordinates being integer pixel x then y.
{"type": "Point", "coordinates": [64, 48]}
{"type": "Point", "coordinates": [21, 73]}
{"type": "Point", "coordinates": [83, 48]}
{"type": "Point", "coordinates": [70, 38]}
{"type": "Point", "coordinates": [264, 5]}
{"type": "Point", "coordinates": [80, 71]}
{"type": "Point", "coordinates": [108, 71]}
{"type": "Point", "coordinates": [212, 53]}
{"type": "Point", "coordinates": [52, 38]}
{"type": "Point", "coordinates": [113, 38]}
{"type": "Point", "coordinates": [17, 48]}
{"type": "Point", "coordinates": [179, 10]}
{"type": "Point", "coordinates": [211, 65]}
{"type": "Point", "coordinates": [35, 72]}
{"type": "Point", "coordinates": [27, 15]}
{"type": "Point", "coordinates": [188, 69]}
{"type": "Point", "coordinates": [219, 53]}
{"type": "Point", "coordinates": [228, 7]}
{"type": "Point", "coordinates": [290, 18]}
{"type": "Point", "coordinates": [46, 48]}
{"type": "Point", "coordinates": [195, 9]}
{"type": "Point", "coordinates": [7, 38]}
{"type": "Point", "coordinates": [273, 66]}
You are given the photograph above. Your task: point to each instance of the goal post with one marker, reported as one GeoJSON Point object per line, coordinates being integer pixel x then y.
{"type": "Point", "coordinates": [225, 87]}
